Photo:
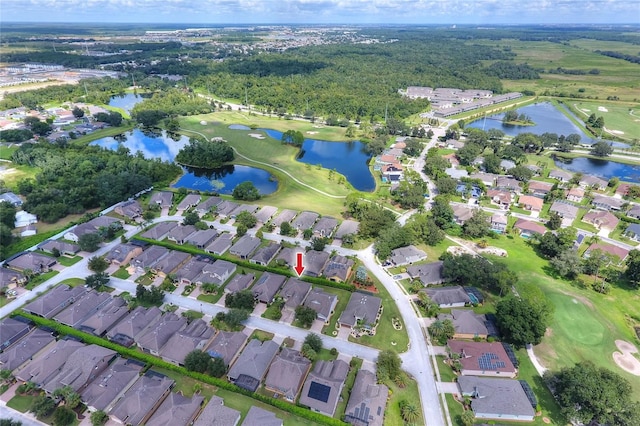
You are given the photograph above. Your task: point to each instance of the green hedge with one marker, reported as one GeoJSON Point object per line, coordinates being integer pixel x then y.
{"type": "Point", "coordinates": [152, 361]}
{"type": "Point", "coordinates": [246, 264]}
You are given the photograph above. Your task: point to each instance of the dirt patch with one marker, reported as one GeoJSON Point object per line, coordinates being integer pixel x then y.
{"type": "Point", "coordinates": [256, 135]}
{"type": "Point", "coordinates": [625, 359]}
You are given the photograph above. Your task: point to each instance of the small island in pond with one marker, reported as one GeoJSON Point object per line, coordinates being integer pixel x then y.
{"type": "Point", "coordinates": [512, 118]}
{"type": "Point", "coordinates": [204, 154]}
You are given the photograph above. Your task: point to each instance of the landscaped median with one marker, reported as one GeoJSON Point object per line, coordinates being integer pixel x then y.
{"type": "Point", "coordinates": [152, 361]}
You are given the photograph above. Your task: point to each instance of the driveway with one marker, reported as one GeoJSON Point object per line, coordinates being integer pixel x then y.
{"type": "Point", "coordinates": [259, 309]}
{"type": "Point", "coordinates": [317, 326]}
{"type": "Point", "coordinates": [448, 387]}
{"type": "Point", "coordinates": [343, 333]}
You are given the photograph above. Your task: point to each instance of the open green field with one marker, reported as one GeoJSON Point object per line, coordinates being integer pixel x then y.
{"type": "Point", "coordinates": [615, 46]}
{"type": "Point", "coordinates": [585, 324]}
{"type": "Point", "coordinates": [275, 157]}
{"type": "Point", "coordinates": [621, 120]}
{"type": "Point", "coordinates": [616, 78]}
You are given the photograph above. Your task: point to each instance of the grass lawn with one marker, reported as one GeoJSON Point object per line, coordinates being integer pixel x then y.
{"type": "Point", "coordinates": [121, 273]}
{"type": "Point", "coordinates": [69, 261]}
{"type": "Point", "coordinates": [7, 151]}
{"type": "Point", "coordinates": [585, 324]}
{"type": "Point", "coordinates": [261, 335]}
{"type": "Point", "coordinates": [73, 282]}
{"type": "Point", "coordinates": [348, 385]}
{"type": "Point", "coordinates": [187, 385]}
{"type": "Point", "coordinates": [386, 336]}
{"type": "Point", "coordinates": [274, 311]}
{"type": "Point", "coordinates": [618, 117]}
{"type": "Point", "coordinates": [455, 410]}
{"type": "Point", "coordinates": [343, 300]}
{"type": "Point", "coordinates": [15, 173]}
{"type": "Point", "coordinates": [527, 372]}
{"type": "Point", "coordinates": [446, 373]}
{"type": "Point", "coordinates": [211, 298]}
{"type": "Point", "coordinates": [409, 393]}
{"type": "Point", "coordinates": [39, 279]}
{"type": "Point", "coordinates": [21, 403]}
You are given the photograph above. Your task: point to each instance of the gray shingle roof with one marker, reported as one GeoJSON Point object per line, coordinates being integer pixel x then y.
{"type": "Point", "coordinates": [80, 368]}
{"type": "Point", "coordinates": [430, 273]}
{"type": "Point", "coordinates": [405, 255]}
{"type": "Point", "coordinates": [444, 296]}
{"type": "Point", "coordinates": [86, 305]}
{"type": "Point", "coordinates": [347, 227]}
{"type": "Point", "coordinates": [267, 286]}
{"type": "Point", "coordinates": [189, 201]}
{"type": "Point", "coordinates": [325, 226]}
{"type": "Point", "coordinates": [367, 401]}
{"type": "Point", "coordinates": [25, 349]}
{"type": "Point", "coordinates": [48, 363]}
{"type": "Point", "coordinates": [565, 210]}
{"type": "Point", "coordinates": [360, 307]}
{"type": "Point", "coordinates": [323, 386]}
{"type": "Point", "coordinates": [149, 257]}
{"type": "Point", "coordinates": [176, 410]}
{"type": "Point", "coordinates": [305, 220]}
{"type": "Point", "coordinates": [260, 417]}
{"type": "Point", "coordinates": [294, 292]}
{"type": "Point", "coordinates": [105, 389]}
{"type": "Point", "coordinates": [265, 254]}
{"type": "Point", "coordinates": [254, 360]}
{"type": "Point", "coordinates": [226, 345]}
{"type": "Point", "coordinates": [107, 316]}
{"type": "Point", "coordinates": [239, 282]}
{"type": "Point", "coordinates": [287, 373]}
{"type": "Point", "coordinates": [216, 414]}
{"type": "Point", "coordinates": [321, 302]}
{"type": "Point", "coordinates": [265, 213]}
{"type": "Point", "coordinates": [220, 245]}
{"type": "Point", "coordinates": [338, 268]}
{"type": "Point", "coordinates": [136, 322]}
{"type": "Point", "coordinates": [496, 397]}
{"type": "Point", "coordinates": [194, 336]}
{"type": "Point", "coordinates": [158, 335]}
{"type": "Point", "coordinates": [314, 262]}
{"type": "Point", "coordinates": [284, 216]}
{"type": "Point", "coordinates": [139, 400]}
{"type": "Point", "coordinates": [55, 300]}
{"type": "Point", "coordinates": [245, 246]}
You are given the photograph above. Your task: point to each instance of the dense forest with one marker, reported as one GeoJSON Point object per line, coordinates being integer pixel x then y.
{"type": "Point", "coordinates": [76, 178]}
{"type": "Point", "coordinates": [204, 154]}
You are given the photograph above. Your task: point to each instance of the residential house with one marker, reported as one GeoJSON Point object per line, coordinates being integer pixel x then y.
{"type": "Point", "coordinates": [164, 199]}
{"type": "Point", "coordinates": [149, 258]}
{"type": "Point", "coordinates": [48, 363]}
{"type": "Point", "coordinates": [160, 231]}
{"type": "Point", "coordinates": [392, 172]}
{"type": "Point", "coordinates": [500, 399]}
{"type": "Point", "coordinates": [177, 410]}
{"type": "Point", "coordinates": [367, 401]}
{"type": "Point", "coordinates": [407, 255]}
{"type": "Point", "coordinates": [130, 209]}
{"type": "Point", "coordinates": [227, 345]}
{"type": "Point", "coordinates": [23, 219]}
{"type": "Point", "coordinates": [80, 368]}
{"type": "Point", "coordinates": [105, 318]}
{"type": "Point", "coordinates": [565, 210]}
{"type": "Point", "coordinates": [430, 273]}
{"type": "Point", "coordinates": [507, 165]}
{"type": "Point", "coordinates": [539, 189]}
{"type": "Point", "coordinates": [239, 282]}
{"type": "Point", "coordinates": [142, 399]}
{"type": "Point", "coordinates": [362, 309]}
{"type": "Point", "coordinates": [245, 246]}
{"type": "Point", "coordinates": [324, 227]}
{"type": "Point", "coordinates": [266, 287]}
{"type": "Point", "coordinates": [287, 373]}
{"type": "Point", "coordinates": [510, 184]}
{"type": "Point", "coordinates": [607, 203]}
{"type": "Point", "coordinates": [622, 190]}
{"type": "Point", "coordinates": [633, 231]}
{"type": "Point", "coordinates": [208, 205]}
{"type": "Point", "coordinates": [588, 181]}
{"type": "Point", "coordinates": [195, 336]}
{"type": "Point", "coordinates": [216, 414]}
{"type": "Point", "coordinates": [252, 364]}
{"type": "Point", "coordinates": [220, 245]}
{"type": "Point", "coordinates": [453, 144]}
{"type": "Point", "coordinates": [338, 268]}
{"type": "Point", "coordinates": [189, 201]}
{"type": "Point", "coordinates": [501, 198]}
{"type": "Point", "coordinates": [11, 198]}
{"type": "Point", "coordinates": [55, 300]}
{"type": "Point", "coordinates": [260, 417]}
{"type": "Point", "coordinates": [468, 324]}
{"type": "Point", "coordinates": [250, 208]}
{"type": "Point", "coordinates": [284, 216]}
{"type": "Point", "coordinates": [202, 238]}
{"type": "Point", "coordinates": [12, 330]}
{"type": "Point", "coordinates": [110, 384]}
{"type": "Point", "coordinates": [483, 358]}
{"type": "Point", "coordinates": [155, 337]}
{"type": "Point", "coordinates": [535, 169]}
{"type": "Point", "coordinates": [314, 262]}
{"type": "Point", "coordinates": [216, 273]}
{"type": "Point", "coordinates": [50, 246]}
{"type": "Point", "coordinates": [576, 195]}
{"type": "Point", "coordinates": [123, 253]}
{"type": "Point", "coordinates": [304, 220]}
{"type": "Point", "coordinates": [603, 220]}
{"type": "Point", "coordinates": [266, 213]}
{"type": "Point", "coordinates": [634, 212]}
{"type": "Point", "coordinates": [30, 261]}
{"type": "Point", "coordinates": [324, 385]}
{"type": "Point", "coordinates": [347, 227]}
{"type": "Point", "coordinates": [499, 223]}
{"type": "Point", "coordinates": [456, 174]}
{"type": "Point", "coordinates": [10, 278]}
{"type": "Point", "coordinates": [530, 203]}
{"type": "Point", "coordinates": [91, 227]}
{"type": "Point", "coordinates": [287, 256]}
{"type": "Point", "coordinates": [615, 251]}
{"type": "Point", "coordinates": [181, 233]}
{"type": "Point", "coordinates": [452, 159]}
{"type": "Point", "coordinates": [129, 329]}
{"type": "Point", "coordinates": [462, 213]}
{"type": "Point", "coordinates": [467, 191]}
{"type": "Point", "coordinates": [82, 308]}
{"type": "Point", "coordinates": [264, 255]}
{"type": "Point", "coordinates": [488, 179]}
{"type": "Point", "coordinates": [322, 302]}
{"type": "Point", "coordinates": [294, 292]}
{"type": "Point", "coordinates": [225, 208]}
{"type": "Point", "coordinates": [29, 347]}
{"type": "Point", "coordinates": [560, 175]}
{"type": "Point", "coordinates": [170, 263]}
{"type": "Point", "coordinates": [449, 297]}
{"type": "Point", "coordinates": [529, 228]}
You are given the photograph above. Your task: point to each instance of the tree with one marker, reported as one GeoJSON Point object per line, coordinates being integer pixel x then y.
{"type": "Point", "coordinates": [528, 142]}
{"type": "Point", "coordinates": [63, 416]}
{"type": "Point", "coordinates": [246, 191]}
{"type": "Point", "coordinates": [568, 264]}
{"type": "Point", "coordinates": [442, 212]}
{"type": "Point", "coordinates": [314, 341]}
{"type": "Point", "coordinates": [7, 214]}
{"type": "Point", "coordinates": [435, 166]}
{"type": "Point", "coordinates": [99, 418]}
{"type": "Point", "coordinates": [521, 173]}
{"type": "Point", "coordinates": [286, 228]}
{"type": "Point", "coordinates": [594, 395]}
{"type": "Point", "coordinates": [205, 154]}
{"type": "Point", "coordinates": [71, 398]}
{"type": "Point", "coordinates": [410, 413]}
{"type": "Point", "coordinates": [425, 229]}
{"type": "Point", "coordinates": [10, 422]}
{"type": "Point", "coordinates": [306, 316]}
{"type": "Point", "coordinates": [447, 185]}
{"type": "Point", "coordinates": [197, 361]}
{"type": "Point", "coordinates": [190, 218]}
{"type": "Point", "coordinates": [477, 225]}
{"type": "Point", "coordinates": [97, 280]}
{"type": "Point", "coordinates": [413, 147]}
{"type": "Point", "coordinates": [601, 149]}
{"type": "Point", "coordinates": [632, 272]}
{"type": "Point", "coordinates": [318, 243]}
{"type": "Point", "coordinates": [520, 322]}
{"type": "Point", "coordinates": [391, 238]}
{"type": "Point", "coordinates": [234, 318]}
{"type": "Point", "coordinates": [468, 153]}
{"type": "Point", "coordinates": [240, 300]}
{"type": "Point", "coordinates": [555, 221]}
{"type": "Point", "coordinates": [376, 146]}
{"type": "Point", "coordinates": [90, 242]}
{"type": "Point", "coordinates": [492, 163]}
{"type": "Point", "coordinates": [293, 137]}
{"type": "Point", "coordinates": [151, 297]}
{"type": "Point", "coordinates": [308, 352]}
{"type": "Point", "coordinates": [429, 307]}
{"type": "Point", "coordinates": [388, 365]}
{"type": "Point", "coordinates": [217, 367]}
{"type": "Point", "coordinates": [42, 406]}
{"type": "Point", "coordinates": [442, 331]}
{"type": "Point", "coordinates": [247, 219]}
{"type": "Point", "coordinates": [467, 417]}
{"type": "Point", "coordinates": [149, 118]}
{"type": "Point", "coordinates": [97, 264]}
{"type": "Point", "coordinates": [77, 112]}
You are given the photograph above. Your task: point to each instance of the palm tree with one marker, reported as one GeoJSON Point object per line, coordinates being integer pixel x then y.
{"type": "Point", "coordinates": [410, 413]}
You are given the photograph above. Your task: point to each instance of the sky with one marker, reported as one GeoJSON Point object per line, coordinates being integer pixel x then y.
{"type": "Point", "coordinates": [484, 12]}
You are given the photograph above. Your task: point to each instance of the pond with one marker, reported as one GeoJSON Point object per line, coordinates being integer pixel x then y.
{"type": "Point", "coordinates": [126, 101]}
{"type": "Point", "coordinates": [605, 169]}
{"type": "Point", "coordinates": [160, 144]}
{"type": "Point", "coordinates": [347, 158]}
{"type": "Point", "coordinates": [547, 119]}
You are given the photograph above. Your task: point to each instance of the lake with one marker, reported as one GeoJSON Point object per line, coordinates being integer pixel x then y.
{"type": "Point", "coordinates": [547, 119]}
{"type": "Point", "coordinates": [347, 158]}
{"type": "Point", "coordinates": [605, 169]}
{"type": "Point", "coordinates": [126, 101]}
{"type": "Point", "coordinates": [159, 144]}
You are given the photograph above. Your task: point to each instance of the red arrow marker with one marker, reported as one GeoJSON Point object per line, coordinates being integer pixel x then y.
{"type": "Point", "coordinates": [299, 268]}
